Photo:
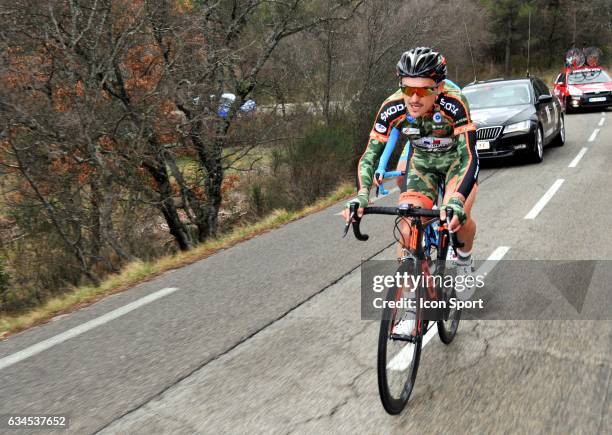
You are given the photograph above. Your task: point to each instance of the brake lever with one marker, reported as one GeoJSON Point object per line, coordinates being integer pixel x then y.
{"type": "Point", "coordinates": [378, 177]}
{"type": "Point", "coordinates": [348, 225]}
{"type": "Point", "coordinates": [352, 212]}
{"type": "Point", "coordinates": [455, 243]}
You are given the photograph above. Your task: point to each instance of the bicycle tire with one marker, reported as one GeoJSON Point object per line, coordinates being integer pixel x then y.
{"type": "Point", "coordinates": [448, 329]}
{"type": "Point", "coordinates": [394, 404]}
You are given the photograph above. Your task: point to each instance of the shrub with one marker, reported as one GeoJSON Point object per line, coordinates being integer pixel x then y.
{"type": "Point", "coordinates": [317, 161]}
{"type": "Point", "coordinates": [4, 284]}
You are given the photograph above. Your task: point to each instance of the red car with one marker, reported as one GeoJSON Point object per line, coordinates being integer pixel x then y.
{"type": "Point", "coordinates": [584, 86]}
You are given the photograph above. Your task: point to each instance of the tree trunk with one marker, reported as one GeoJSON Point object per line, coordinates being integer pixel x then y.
{"type": "Point", "coordinates": [96, 229]}
{"type": "Point", "coordinates": [328, 81]}
{"type": "Point", "coordinates": [574, 27]}
{"type": "Point", "coordinates": [507, 62]}
{"type": "Point", "coordinates": [214, 181]}
{"type": "Point", "coordinates": [108, 229]}
{"type": "Point", "coordinates": [551, 36]}
{"type": "Point", "coordinates": [178, 230]}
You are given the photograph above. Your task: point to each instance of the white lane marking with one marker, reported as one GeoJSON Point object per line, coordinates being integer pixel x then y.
{"type": "Point", "coordinates": [486, 268]}
{"type": "Point", "coordinates": [603, 113]}
{"type": "Point", "coordinates": [402, 360]}
{"type": "Point", "coordinates": [544, 200]}
{"type": "Point", "coordinates": [574, 162]}
{"type": "Point", "coordinates": [495, 257]}
{"type": "Point", "coordinates": [593, 135]}
{"type": "Point", "coordinates": [78, 330]}
{"type": "Point", "coordinates": [601, 122]}
{"type": "Point", "coordinates": [395, 189]}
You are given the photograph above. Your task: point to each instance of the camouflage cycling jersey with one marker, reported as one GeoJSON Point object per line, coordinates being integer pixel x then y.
{"type": "Point", "coordinates": [443, 148]}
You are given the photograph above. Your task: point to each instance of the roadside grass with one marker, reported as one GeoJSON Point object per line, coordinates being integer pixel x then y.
{"type": "Point", "coordinates": [138, 272]}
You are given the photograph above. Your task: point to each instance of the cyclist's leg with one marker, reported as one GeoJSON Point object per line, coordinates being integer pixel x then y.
{"type": "Point", "coordinates": [420, 189]}
{"type": "Point", "coordinates": [467, 231]}
{"type": "Point", "coordinates": [401, 165]}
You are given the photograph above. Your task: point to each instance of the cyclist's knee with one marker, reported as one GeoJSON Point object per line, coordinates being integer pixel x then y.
{"type": "Point", "coordinates": [469, 202]}
{"type": "Point", "coordinates": [469, 225]}
{"type": "Point", "coordinates": [416, 199]}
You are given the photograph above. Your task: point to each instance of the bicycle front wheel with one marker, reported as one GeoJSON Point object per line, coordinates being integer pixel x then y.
{"type": "Point", "coordinates": [398, 355]}
{"type": "Point", "coordinates": [447, 327]}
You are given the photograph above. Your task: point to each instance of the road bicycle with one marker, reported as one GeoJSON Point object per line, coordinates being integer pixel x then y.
{"type": "Point", "coordinates": [424, 256]}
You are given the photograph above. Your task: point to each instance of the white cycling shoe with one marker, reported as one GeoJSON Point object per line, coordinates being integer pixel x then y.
{"type": "Point", "coordinates": [406, 326]}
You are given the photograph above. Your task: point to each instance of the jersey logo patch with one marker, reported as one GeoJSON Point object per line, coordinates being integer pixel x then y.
{"type": "Point", "coordinates": [437, 117]}
{"type": "Point", "coordinates": [380, 128]}
{"type": "Point", "coordinates": [392, 111]}
{"type": "Point", "coordinates": [411, 130]}
{"type": "Point", "coordinates": [449, 106]}
{"type": "Point", "coordinates": [464, 129]}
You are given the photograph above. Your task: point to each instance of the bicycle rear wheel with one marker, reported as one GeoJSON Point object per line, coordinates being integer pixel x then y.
{"type": "Point", "coordinates": [398, 356]}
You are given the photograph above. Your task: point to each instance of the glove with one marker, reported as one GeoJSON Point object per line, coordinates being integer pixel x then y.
{"type": "Point", "coordinates": [361, 199]}
{"type": "Point", "coordinates": [457, 206]}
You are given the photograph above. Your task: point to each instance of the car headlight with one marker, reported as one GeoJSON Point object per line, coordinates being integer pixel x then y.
{"type": "Point", "coordinates": [517, 126]}
{"type": "Point", "coordinates": [574, 91]}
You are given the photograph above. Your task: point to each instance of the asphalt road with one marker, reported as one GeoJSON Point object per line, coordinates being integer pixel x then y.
{"type": "Point", "coordinates": [267, 337]}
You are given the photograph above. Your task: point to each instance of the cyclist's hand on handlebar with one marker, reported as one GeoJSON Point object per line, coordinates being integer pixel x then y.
{"type": "Point", "coordinates": [377, 179]}
{"type": "Point", "coordinates": [346, 211]}
{"type": "Point", "coordinates": [455, 225]}
{"type": "Point", "coordinates": [459, 216]}
{"type": "Point", "coordinates": [361, 200]}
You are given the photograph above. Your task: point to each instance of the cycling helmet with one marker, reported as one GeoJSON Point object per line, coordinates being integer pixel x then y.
{"type": "Point", "coordinates": [422, 62]}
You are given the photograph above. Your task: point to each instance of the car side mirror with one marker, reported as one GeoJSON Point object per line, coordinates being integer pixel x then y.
{"type": "Point", "coordinates": [545, 99]}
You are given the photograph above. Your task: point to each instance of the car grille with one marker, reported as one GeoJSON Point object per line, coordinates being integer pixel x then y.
{"type": "Point", "coordinates": [488, 133]}
{"type": "Point", "coordinates": [597, 94]}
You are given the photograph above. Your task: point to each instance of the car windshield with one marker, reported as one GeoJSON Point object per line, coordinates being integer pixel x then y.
{"type": "Point", "coordinates": [588, 76]}
{"type": "Point", "coordinates": [497, 95]}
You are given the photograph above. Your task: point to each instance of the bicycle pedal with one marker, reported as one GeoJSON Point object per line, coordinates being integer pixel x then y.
{"type": "Point", "coordinates": [400, 337]}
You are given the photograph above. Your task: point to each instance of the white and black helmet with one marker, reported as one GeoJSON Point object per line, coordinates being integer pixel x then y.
{"type": "Point", "coordinates": [422, 62]}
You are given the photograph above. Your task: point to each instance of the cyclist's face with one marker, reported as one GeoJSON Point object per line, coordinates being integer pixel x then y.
{"type": "Point", "coordinates": [419, 105]}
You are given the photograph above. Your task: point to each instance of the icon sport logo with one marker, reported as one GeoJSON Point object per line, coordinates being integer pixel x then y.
{"type": "Point", "coordinates": [437, 117]}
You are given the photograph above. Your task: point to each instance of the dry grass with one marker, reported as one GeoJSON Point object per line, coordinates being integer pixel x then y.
{"type": "Point", "coordinates": [138, 272]}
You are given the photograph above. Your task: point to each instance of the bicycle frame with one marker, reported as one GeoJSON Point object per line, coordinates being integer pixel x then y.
{"type": "Point", "coordinates": [420, 251]}
{"type": "Point", "coordinates": [420, 232]}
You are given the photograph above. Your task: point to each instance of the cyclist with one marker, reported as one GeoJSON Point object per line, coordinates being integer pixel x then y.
{"type": "Point", "coordinates": [435, 119]}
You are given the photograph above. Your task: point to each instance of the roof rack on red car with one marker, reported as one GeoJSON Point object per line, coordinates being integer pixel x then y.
{"type": "Point", "coordinates": [583, 57]}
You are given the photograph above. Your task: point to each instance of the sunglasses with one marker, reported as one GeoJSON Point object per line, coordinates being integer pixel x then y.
{"type": "Point", "coordinates": [420, 91]}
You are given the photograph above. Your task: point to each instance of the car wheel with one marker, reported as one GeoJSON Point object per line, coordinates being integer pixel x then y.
{"type": "Point", "coordinates": [559, 139]}
{"type": "Point", "coordinates": [537, 154]}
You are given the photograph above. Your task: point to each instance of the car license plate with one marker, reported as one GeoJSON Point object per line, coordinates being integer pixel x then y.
{"type": "Point", "coordinates": [596, 99]}
{"type": "Point", "coordinates": [483, 144]}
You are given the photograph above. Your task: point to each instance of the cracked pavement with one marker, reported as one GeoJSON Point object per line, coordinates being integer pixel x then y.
{"type": "Point", "coordinates": [315, 372]}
